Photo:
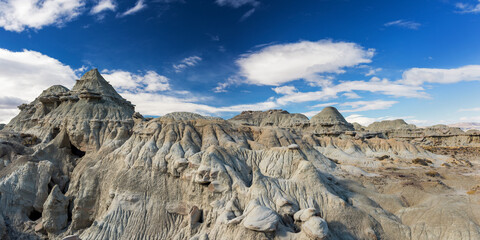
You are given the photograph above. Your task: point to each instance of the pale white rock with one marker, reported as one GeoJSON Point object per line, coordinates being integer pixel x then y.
{"type": "Point", "coordinates": [315, 228]}
{"type": "Point", "coordinates": [262, 219]}
{"type": "Point", "coordinates": [293, 147]}
{"type": "Point", "coordinates": [305, 214]}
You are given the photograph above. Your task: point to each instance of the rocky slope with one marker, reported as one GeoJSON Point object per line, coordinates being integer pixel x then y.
{"type": "Point", "coordinates": [80, 164]}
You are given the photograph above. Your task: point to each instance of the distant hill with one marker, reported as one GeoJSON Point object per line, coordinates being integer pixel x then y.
{"type": "Point", "coordinates": [465, 126]}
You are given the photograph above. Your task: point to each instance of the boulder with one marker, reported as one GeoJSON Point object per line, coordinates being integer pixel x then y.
{"type": "Point", "coordinates": [315, 228]}
{"type": "Point", "coordinates": [261, 219]}
{"type": "Point", "coordinates": [55, 211]}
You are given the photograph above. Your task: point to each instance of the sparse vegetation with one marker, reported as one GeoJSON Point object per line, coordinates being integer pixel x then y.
{"type": "Point", "coordinates": [384, 157]}
{"type": "Point", "coordinates": [421, 161]}
{"type": "Point", "coordinates": [29, 140]}
{"type": "Point", "coordinates": [432, 173]}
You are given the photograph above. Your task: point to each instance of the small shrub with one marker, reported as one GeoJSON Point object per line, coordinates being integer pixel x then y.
{"type": "Point", "coordinates": [383, 157]}
{"type": "Point", "coordinates": [421, 161]}
{"type": "Point", "coordinates": [432, 173]}
{"type": "Point", "coordinates": [471, 192]}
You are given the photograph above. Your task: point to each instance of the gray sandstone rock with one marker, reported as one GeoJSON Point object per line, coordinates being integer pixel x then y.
{"type": "Point", "coordinates": [55, 213]}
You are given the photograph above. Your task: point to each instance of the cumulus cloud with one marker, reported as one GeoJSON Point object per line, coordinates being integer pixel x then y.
{"type": "Point", "coordinates": [282, 63]}
{"type": "Point", "coordinates": [361, 106]}
{"type": "Point", "coordinates": [104, 5]}
{"type": "Point", "coordinates": [125, 81]}
{"type": "Point", "coordinates": [140, 5]}
{"type": "Point", "coordinates": [404, 24]}
{"type": "Point", "coordinates": [187, 62]}
{"type": "Point", "coordinates": [25, 74]}
{"type": "Point", "coordinates": [419, 76]}
{"type": "Point", "coordinates": [468, 8]}
{"type": "Point", "coordinates": [18, 15]}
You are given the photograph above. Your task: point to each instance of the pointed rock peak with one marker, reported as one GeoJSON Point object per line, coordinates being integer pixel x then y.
{"type": "Point", "coordinates": [93, 82]}
{"type": "Point", "coordinates": [93, 74]}
{"type": "Point", "coordinates": [329, 115]}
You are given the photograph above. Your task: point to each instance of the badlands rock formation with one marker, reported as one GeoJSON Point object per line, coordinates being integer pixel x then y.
{"type": "Point", "coordinates": [81, 164]}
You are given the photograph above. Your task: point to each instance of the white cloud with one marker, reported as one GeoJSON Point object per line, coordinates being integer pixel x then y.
{"type": "Point", "coordinates": [351, 95]}
{"type": "Point", "coordinates": [468, 8]}
{"type": "Point", "coordinates": [372, 71]}
{"type": "Point", "coordinates": [125, 81]}
{"type": "Point", "coordinates": [365, 121]}
{"type": "Point", "coordinates": [247, 14]}
{"type": "Point", "coordinates": [138, 7]}
{"type": "Point", "coordinates": [404, 24]}
{"type": "Point", "coordinates": [418, 76]}
{"type": "Point", "coordinates": [361, 106]}
{"type": "Point", "coordinates": [384, 87]}
{"type": "Point", "coordinates": [17, 15]}
{"type": "Point", "coordinates": [237, 3]}
{"type": "Point", "coordinates": [285, 90]}
{"type": "Point", "coordinates": [362, 120]}
{"type": "Point", "coordinates": [322, 105]}
{"type": "Point", "coordinates": [470, 119]}
{"type": "Point", "coordinates": [24, 75]}
{"type": "Point", "coordinates": [104, 5]}
{"type": "Point", "coordinates": [187, 62]}
{"type": "Point", "coordinates": [277, 64]}
{"type": "Point", "coordinates": [469, 109]}
{"type": "Point", "coordinates": [160, 104]}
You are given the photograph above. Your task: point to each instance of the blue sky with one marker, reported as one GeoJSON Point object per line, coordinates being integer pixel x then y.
{"type": "Point", "coordinates": [373, 60]}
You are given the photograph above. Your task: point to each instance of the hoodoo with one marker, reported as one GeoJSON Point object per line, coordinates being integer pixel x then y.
{"type": "Point", "coordinates": [330, 120]}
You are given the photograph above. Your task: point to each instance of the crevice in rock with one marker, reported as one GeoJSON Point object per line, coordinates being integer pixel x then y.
{"type": "Point", "coordinates": [34, 215]}
{"type": "Point", "coordinates": [55, 132]}
{"type": "Point", "coordinates": [75, 151]}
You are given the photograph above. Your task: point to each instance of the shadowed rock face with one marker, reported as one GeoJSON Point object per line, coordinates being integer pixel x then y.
{"type": "Point", "coordinates": [81, 163]}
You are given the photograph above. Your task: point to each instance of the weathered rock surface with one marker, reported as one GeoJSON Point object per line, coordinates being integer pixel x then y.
{"type": "Point", "coordinates": [329, 120]}
{"type": "Point", "coordinates": [279, 118]}
{"type": "Point", "coordinates": [82, 164]}
{"type": "Point", "coordinates": [55, 211]}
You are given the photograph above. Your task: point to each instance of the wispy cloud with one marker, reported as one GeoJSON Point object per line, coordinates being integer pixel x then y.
{"type": "Point", "coordinates": [247, 14]}
{"type": "Point", "coordinates": [104, 5]}
{"type": "Point", "coordinates": [469, 109]}
{"type": "Point", "coordinates": [285, 90]}
{"type": "Point", "coordinates": [419, 76]}
{"type": "Point", "coordinates": [468, 8]}
{"type": "Point", "coordinates": [140, 5]}
{"type": "Point", "coordinates": [186, 62]}
{"type": "Point", "coordinates": [404, 24]}
{"type": "Point", "coordinates": [361, 106]}
{"type": "Point", "coordinates": [237, 3]}
{"type": "Point", "coordinates": [365, 121]}
{"type": "Point", "coordinates": [35, 14]}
